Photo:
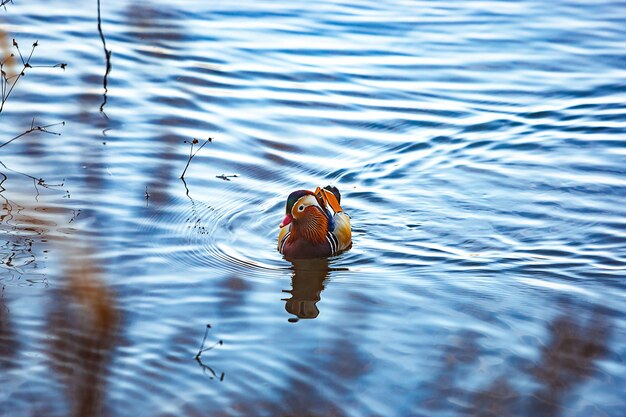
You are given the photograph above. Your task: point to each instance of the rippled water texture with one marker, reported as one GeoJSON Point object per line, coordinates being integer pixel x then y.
{"type": "Point", "coordinates": [480, 150]}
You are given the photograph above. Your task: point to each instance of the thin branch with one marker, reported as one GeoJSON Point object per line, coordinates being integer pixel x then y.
{"type": "Point", "coordinates": [9, 83]}
{"type": "Point", "coordinates": [25, 63]}
{"type": "Point", "coordinates": [189, 160]}
{"type": "Point", "coordinates": [226, 177]}
{"type": "Point", "coordinates": [35, 44]}
{"type": "Point", "coordinates": [34, 128]}
{"type": "Point", "coordinates": [107, 56]}
{"type": "Point", "coordinates": [203, 349]}
{"type": "Point", "coordinates": [21, 173]}
{"type": "Point", "coordinates": [206, 333]}
{"type": "Point", "coordinates": [61, 65]}
{"type": "Point", "coordinates": [191, 154]}
{"type": "Point", "coordinates": [38, 181]}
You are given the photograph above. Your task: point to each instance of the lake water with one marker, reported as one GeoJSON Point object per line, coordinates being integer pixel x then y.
{"type": "Point", "coordinates": [480, 148]}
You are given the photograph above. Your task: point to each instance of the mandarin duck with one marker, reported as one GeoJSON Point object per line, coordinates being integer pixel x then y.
{"type": "Point", "coordinates": [315, 225]}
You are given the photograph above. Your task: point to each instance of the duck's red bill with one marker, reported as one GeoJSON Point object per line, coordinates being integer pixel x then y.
{"type": "Point", "coordinates": [288, 219]}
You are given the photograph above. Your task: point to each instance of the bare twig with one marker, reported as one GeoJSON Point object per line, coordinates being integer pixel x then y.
{"type": "Point", "coordinates": [9, 83]}
{"type": "Point", "coordinates": [34, 128]}
{"type": "Point", "coordinates": [36, 181]}
{"type": "Point", "coordinates": [192, 154]}
{"type": "Point", "coordinates": [5, 2]}
{"type": "Point", "coordinates": [203, 349]}
{"type": "Point", "coordinates": [107, 56]}
{"type": "Point", "coordinates": [226, 177]}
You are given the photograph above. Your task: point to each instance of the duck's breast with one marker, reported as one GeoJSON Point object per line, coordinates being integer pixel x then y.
{"type": "Point", "coordinates": [301, 249]}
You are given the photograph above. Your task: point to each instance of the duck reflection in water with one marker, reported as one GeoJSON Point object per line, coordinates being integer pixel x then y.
{"type": "Point", "coordinates": [307, 284]}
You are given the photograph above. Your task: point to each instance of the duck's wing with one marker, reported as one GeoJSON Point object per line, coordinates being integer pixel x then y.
{"type": "Point", "coordinates": [342, 231]}
{"type": "Point", "coordinates": [282, 237]}
{"type": "Point", "coordinates": [330, 198]}
{"type": "Point", "coordinates": [339, 228]}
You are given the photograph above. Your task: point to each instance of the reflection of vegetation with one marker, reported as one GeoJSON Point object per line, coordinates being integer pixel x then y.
{"type": "Point", "coordinates": [7, 57]}
{"type": "Point", "coordinates": [194, 218]}
{"type": "Point", "coordinates": [566, 361]}
{"type": "Point", "coordinates": [307, 284]}
{"type": "Point", "coordinates": [16, 256]}
{"type": "Point", "coordinates": [37, 182]}
{"type": "Point", "coordinates": [82, 317]}
{"type": "Point", "coordinates": [83, 323]}
{"type": "Point", "coordinates": [23, 229]}
{"type": "Point", "coordinates": [8, 342]}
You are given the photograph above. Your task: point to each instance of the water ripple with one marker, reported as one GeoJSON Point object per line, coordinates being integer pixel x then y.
{"type": "Point", "coordinates": [479, 150]}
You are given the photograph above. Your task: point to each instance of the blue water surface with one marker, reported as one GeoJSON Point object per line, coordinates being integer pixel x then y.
{"type": "Point", "coordinates": [480, 150]}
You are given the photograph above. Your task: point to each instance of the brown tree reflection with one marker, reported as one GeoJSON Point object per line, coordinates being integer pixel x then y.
{"type": "Point", "coordinates": [6, 54]}
{"type": "Point", "coordinates": [84, 323]}
{"type": "Point", "coordinates": [81, 317]}
{"type": "Point", "coordinates": [576, 341]}
{"type": "Point", "coordinates": [8, 340]}
{"type": "Point", "coordinates": [26, 232]}
{"type": "Point", "coordinates": [307, 284]}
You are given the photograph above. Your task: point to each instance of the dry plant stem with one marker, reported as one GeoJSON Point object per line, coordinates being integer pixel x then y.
{"type": "Point", "coordinates": [5, 2]}
{"type": "Point", "coordinates": [9, 83]}
{"type": "Point", "coordinates": [107, 56]}
{"type": "Point", "coordinates": [36, 181]}
{"type": "Point", "coordinates": [21, 173]}
{"type": "Point", "coordinates": [206, 332]}
{"type": "Point", "coordinates": [5, 79]}
{"type": "Point", "coordinates": [226, 177]}
{"type": "Point", "coordinates": [34, 128]}
{"type": "Point", "coordinates": [39, 181]}
{"type": "Point", "coordinates": [191, 154]}
{"type": "Point", "coordinates": [203, 349]}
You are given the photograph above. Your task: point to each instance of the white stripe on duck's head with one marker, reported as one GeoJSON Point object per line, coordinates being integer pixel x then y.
{"type": "Point", "coordinates": [297, 204]}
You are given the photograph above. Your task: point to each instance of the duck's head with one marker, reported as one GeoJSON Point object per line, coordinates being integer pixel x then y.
{"type": "Point", "coordinates": [302, 207]}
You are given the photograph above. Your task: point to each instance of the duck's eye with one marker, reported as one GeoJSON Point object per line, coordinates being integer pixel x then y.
{"type": "Point", "coordinates": [301, 208]}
